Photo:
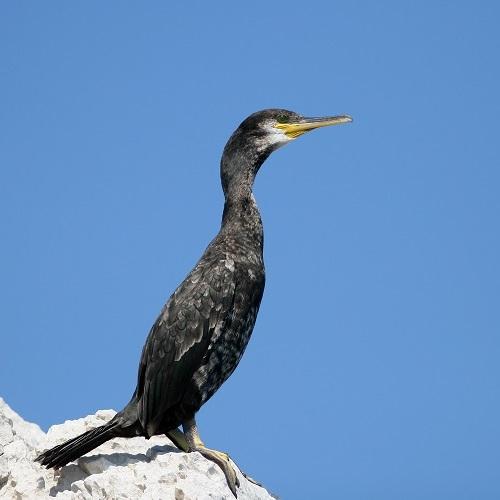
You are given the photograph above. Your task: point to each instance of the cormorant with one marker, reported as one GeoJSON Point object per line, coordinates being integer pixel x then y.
{"type": "Point", "coordinates": [201, 333]}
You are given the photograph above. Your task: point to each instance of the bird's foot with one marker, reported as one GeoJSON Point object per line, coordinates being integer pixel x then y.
{"type": "Point", "coordinates": [223, 461]}
{"type": "Point", "coordinates": [251, 479]}
{"type": "Point", "coordinates": [220, 458]}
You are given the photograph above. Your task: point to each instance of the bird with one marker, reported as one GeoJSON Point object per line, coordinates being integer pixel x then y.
{"type": "Point", "coordinates": [202, 331]}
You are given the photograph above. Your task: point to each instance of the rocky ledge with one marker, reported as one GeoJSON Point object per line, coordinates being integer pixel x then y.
{"type": "Point", "coordinates": [121, 468]}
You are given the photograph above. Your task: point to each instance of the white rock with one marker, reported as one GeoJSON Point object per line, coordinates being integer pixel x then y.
{"type": "Point", "coordinates": [121, 468]}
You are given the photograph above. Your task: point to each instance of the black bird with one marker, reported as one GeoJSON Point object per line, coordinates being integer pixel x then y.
{"type": "Point", "coordinates": [203, 330]}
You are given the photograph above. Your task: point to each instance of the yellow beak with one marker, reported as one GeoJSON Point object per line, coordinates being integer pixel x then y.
{"type": "Point", "coordinates": [295, 129]}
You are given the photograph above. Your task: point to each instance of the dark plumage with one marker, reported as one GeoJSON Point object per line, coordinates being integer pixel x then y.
{"type": "Point", "coordinates": [203, 330]}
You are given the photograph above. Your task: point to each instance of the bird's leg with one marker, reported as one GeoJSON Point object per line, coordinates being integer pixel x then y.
{"type": "Point", "coordinates": [179, 439]}
{"type": "Point", "coordinates": [219, 457]}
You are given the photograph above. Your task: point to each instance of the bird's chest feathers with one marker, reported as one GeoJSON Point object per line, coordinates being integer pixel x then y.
{"type": "Point", "coordinates": [248, 278]}
{"type": "Point", "coordinates": [247, 271]}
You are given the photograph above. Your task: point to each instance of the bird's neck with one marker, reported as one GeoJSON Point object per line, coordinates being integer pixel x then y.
{"type": "Point", "coordinates": [239, 165]}
{"type": "Point", "coordinates": [241, 218]}
{"type": "Point", "coordinates": [241, 213]}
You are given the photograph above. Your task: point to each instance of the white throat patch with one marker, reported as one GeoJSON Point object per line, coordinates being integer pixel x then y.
{"type": "Point", "coordinates": [274, 136]}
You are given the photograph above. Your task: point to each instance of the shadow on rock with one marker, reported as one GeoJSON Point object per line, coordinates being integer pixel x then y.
{"type": "Point", "coordinates": [97, 464]}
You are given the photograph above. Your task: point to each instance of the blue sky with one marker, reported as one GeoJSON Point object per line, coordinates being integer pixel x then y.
{"type": "Point", "coordinates": [373, 370]}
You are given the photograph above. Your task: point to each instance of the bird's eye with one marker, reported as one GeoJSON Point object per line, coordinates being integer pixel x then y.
{"type": "Point", "coordinates": [282, 118]}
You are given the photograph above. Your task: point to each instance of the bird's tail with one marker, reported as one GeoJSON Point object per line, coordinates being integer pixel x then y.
{"type": "Point", "coordinates": [74, 448]}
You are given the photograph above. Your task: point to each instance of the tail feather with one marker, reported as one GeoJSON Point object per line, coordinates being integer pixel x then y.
{"type": "Point", "coordinates": [74, 448]}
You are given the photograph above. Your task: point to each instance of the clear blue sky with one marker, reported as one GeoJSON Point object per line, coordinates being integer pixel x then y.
{"type": "Point", "coordinates": [373, 372]}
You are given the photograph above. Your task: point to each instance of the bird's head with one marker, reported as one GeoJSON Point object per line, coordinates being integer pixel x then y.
{"type": "Point", "coordinates": [269, 129]}
{"type": "Point", "coordinates": [262, 133]}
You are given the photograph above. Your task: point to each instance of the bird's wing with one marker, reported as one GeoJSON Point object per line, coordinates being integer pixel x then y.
{"type": "Point", "coordinates": [181, 336]}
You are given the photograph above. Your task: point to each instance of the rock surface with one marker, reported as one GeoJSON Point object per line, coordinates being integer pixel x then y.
{"type": "Point", "coordinates": [121, 468]}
